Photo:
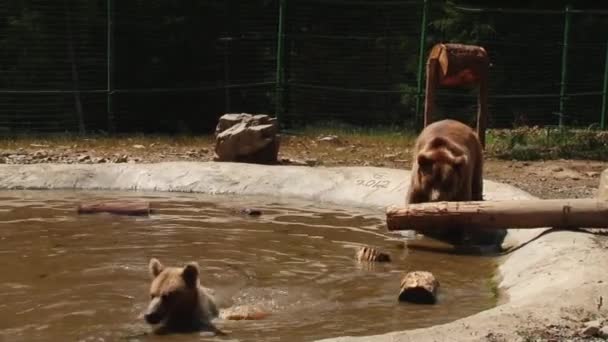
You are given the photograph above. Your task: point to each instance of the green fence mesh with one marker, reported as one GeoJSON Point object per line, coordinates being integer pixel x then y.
{"type": "Point", "coordinates": [176, 66]}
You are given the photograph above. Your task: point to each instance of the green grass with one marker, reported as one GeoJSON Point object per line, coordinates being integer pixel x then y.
{"type": "Point", "coordinates": [533, 143]}
{"type": "Point", "coordinates": [523, 143]}
{"type": "Point", "coordinates": [386, 134]}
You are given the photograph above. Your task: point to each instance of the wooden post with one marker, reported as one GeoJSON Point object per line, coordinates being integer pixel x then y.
{"type": "Point", "coordinates": [482, 111]}
{"type": "Point", "coordinates": [116, 207]}
{"type": "Point", "coordinates": [559, 213]}
{"type": "Point", "coordinates": [458, 65]}
{"type": "Point", "coordinates": [602, 191]}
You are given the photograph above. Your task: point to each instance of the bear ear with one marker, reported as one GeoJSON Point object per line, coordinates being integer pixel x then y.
{"type": "Point", "coordinates": [190, 274]}
{"type": "Point", "coordinates": [437, 142]}
{"type": "Point", "coordinates": [155, 267]}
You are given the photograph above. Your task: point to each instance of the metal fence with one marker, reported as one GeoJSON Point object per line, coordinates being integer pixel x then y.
{"type": "Point", "coordinates": [166, 66]}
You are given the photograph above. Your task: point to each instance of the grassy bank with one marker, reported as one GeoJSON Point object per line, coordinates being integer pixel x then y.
{"type": "Point", "coordinates": [524, 143]}
{"type": "Point", "coordinates": [354, 143]}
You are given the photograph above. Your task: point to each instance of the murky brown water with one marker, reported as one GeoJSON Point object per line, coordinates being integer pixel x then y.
{"type": "Point", "coordinates": [65, 277]}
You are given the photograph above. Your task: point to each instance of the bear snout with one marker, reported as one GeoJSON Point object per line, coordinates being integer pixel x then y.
{"type": "Point", "coordinates": [152, 318]}
{"type": "Point", "coordinates": [155, 312]}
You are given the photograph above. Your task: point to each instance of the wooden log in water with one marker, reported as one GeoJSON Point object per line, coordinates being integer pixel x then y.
{"type": "Point", "coordinates": [243, 312]}
{"type": "Point", "coordinates": [370, 254]}
{"type": "Point", "coordinates": [419, 287]}
{"type": "Point", "coordinates": [558, 213]}
{"type": "Point", "coordinates": [132, 208]}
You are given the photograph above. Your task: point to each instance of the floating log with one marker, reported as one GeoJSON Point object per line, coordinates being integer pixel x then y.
{"type": "Point", "coordinates": [243, 312]}
{"type": "Point", "coordinates": [132, 208]}
{"type": "Point", "coordinates": [419, 287]}
{"type": "Point", "coordinates": [557, 213]}
{"type": "Point", "coordinates": [365, 254]}
{"type": "Point", "coordinates": [248, 211]}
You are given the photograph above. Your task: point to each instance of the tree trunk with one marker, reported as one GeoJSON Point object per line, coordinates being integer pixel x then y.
{"type": "Point", "coordinates": [558, 213]}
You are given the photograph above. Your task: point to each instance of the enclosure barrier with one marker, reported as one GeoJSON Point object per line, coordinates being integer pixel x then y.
{"type": "Point", "coordinates": [85, 66]}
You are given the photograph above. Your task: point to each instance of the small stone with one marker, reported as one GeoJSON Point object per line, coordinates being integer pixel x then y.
{"type": "Point", "coordinates": [102, 160]}
{"type": "Point", "coordinates": [525, 164]}
{"type": "Point", "coordinates": [311, 162]}
{"type": "Point", "coordinates": [40, 154]}
{"type": "Point", "coordinates": [591, 328]}
{"type": "Point", "coordinates": [204, 151]}
{"type": "Point", "coordinates": [592, 174]}
{"type": "Point", "coordinates": [603, 333]}
{"type": "Point", "coordinates": [122, 159]}
{"type": "Point", "coordinates": [557, 169]}
{"type": "Point", "coordinates": [139, 146]}
{"type": "Point", "coordinates": [83, 158]}
{"type": "Point", "coordinates": [290, 161]}
{"type": "Point", "coordinates": [328, 138]}
{"type": "Point", "coordinates": [391, 156]}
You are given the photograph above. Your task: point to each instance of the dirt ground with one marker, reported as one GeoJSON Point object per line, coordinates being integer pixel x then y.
{"type": "Point", "coordinates": [545, 179]}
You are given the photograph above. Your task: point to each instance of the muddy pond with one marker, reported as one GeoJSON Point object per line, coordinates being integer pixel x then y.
{"type": "Point", "coordinates": [69, 277]}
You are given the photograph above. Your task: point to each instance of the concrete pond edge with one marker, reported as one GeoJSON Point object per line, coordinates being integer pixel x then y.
{"type": "Point", "coordinates": [555, 279]}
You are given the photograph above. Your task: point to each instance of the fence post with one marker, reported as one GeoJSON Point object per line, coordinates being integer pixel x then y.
{"type": "Point", "coordinates": [110, 66]}
{"type": "Point", "coordinates": [564, 79]}
{"type": "Point", "coordinates": [605, 93]}
{"type": "Point", "coordinates": [419, 92]}
{"type": "Point", "coordinates": [280, 77]}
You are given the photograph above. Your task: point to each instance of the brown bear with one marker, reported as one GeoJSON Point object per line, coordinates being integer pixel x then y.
{"type": "Point", "coordinates": [178, 303]}
{"type": "Point", "coordinates": [447, 166]}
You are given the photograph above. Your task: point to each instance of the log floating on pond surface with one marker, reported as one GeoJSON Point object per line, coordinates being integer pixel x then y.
{"type": "Point", "coordinates": [419, 287]}
{"type": "Point", "coordinates": [131, 208]}
{"type": "Point", "coordinates": [558, 213]}
{"type": "Point", "coordinates": [370, 254]}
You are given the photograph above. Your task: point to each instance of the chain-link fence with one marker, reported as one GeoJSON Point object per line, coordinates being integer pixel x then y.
{"type": "Point", "coordinates": [176, 66]}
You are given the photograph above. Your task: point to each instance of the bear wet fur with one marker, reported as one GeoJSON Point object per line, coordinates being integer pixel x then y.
{"type": "Point", "coordinates": [178, 303]}
{"type": "Point", "coordinates": [447, 166]}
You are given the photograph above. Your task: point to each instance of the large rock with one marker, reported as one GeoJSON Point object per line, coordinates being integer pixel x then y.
{"type": "Point", "coordinates": [247, 138]}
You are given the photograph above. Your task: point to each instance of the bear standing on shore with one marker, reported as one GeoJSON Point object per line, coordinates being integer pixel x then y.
{"type": "Point", "coordinates": [447, 166]}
